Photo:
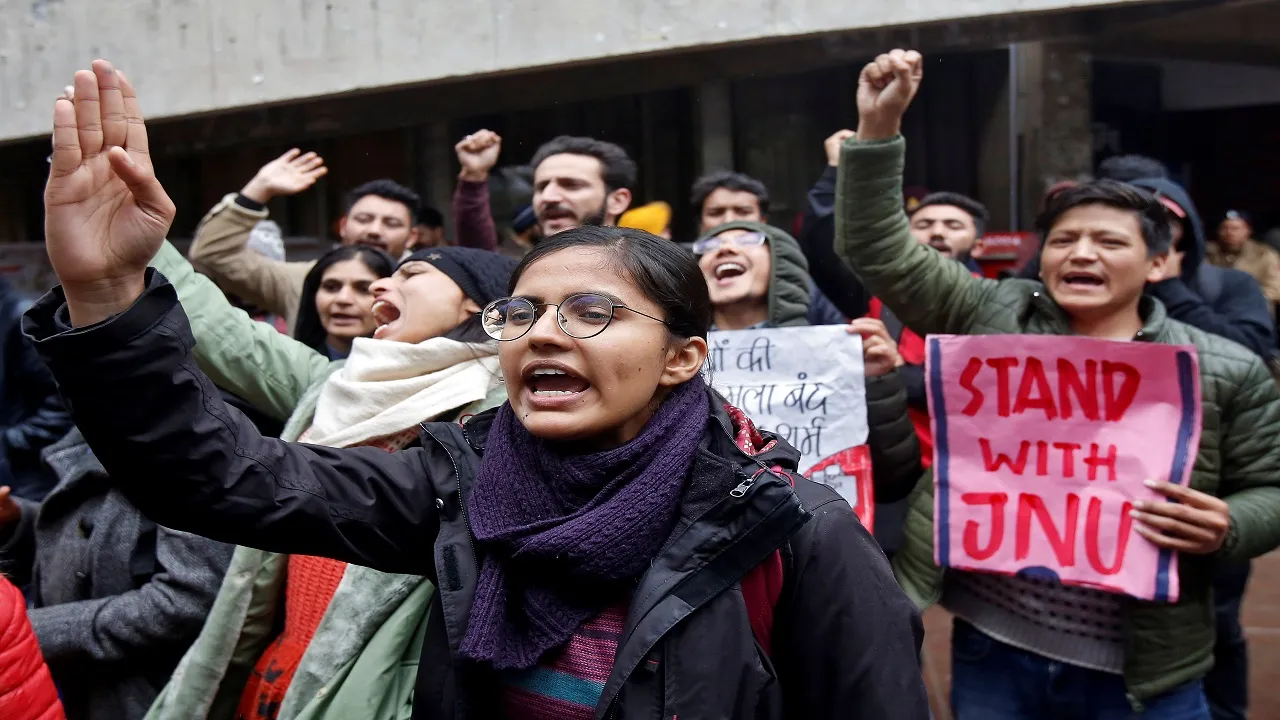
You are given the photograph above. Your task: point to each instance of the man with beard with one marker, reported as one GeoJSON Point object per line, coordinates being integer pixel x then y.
{"type": "Point", "coordinates": [580, 181]}
{"type": "Point", "coordinates": [953, 225]}
{"type": "Point", "coordinates": [950, 223]}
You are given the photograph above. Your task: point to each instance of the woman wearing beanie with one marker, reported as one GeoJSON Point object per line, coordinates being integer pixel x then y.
{"type": "Point", "coordinates": [594, 540]}
{"type": "Point", "coordinates": [349, 637]}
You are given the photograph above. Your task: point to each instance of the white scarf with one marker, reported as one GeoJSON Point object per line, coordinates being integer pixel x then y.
{"type": "Point", "coordinates": [387, 387]}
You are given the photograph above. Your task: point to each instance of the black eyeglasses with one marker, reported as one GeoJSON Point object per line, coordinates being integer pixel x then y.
{"type": "Point", "coordinates": [581, 316]}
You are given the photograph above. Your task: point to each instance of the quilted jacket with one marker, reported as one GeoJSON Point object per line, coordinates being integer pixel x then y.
{"type": "Point", "coordinates": [26, 688]}
{"type": "Point", "coordinates": [1239, 460]}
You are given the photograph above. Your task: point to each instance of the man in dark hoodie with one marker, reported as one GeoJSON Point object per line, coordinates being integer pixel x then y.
{"type": "Point", "coordinates": [1219, 300]}
{"type": "Point", "coordinates": [952, 224]}
{"type": "Point", "coordinates": [1230, 304]}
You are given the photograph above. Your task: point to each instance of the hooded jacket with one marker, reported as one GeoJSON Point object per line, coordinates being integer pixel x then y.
{"type": "Point", "coordinates": [794, 298]}
{"type": "Point", "coordinates": [687, 647]}
{"type": "Point", "coordinates": [1221, 301]}
{"type": "Point", "coordinates": [894, 446]}
{"type": "Point", "coordinates": [788, 297]}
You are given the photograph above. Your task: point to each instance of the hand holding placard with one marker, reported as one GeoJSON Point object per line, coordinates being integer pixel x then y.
{"type": "Point", "coordinates": [1042, 447]}
{"type": "Point", "coordinates": [1196, 523]}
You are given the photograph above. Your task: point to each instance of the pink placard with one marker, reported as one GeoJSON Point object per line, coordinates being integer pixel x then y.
{"type": "Point", "coordinates": [1041, 446]}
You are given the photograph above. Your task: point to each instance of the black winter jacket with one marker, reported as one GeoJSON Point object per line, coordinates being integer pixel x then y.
{"type": "Point", "coordinates": [846, 640]}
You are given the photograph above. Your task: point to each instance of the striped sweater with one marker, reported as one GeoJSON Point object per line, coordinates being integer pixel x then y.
{"type": "Point", "coordinates": [567, 684]}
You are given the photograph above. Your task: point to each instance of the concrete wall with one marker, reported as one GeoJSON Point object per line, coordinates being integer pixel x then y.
{"type": "Point", "coordinates": [194, 56]}
{"type": "Point", "coordinates": [1188, 85]}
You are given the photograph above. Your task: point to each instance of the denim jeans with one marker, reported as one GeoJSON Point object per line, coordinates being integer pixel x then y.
{"type": "Point", "coordinates": [994, 681]}
{"type": "Point", "coordinates": [1227, 684]}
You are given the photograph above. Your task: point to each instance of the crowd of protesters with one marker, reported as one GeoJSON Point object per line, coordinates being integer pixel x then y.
{"type": "Point", "coordinates": [487, 479]}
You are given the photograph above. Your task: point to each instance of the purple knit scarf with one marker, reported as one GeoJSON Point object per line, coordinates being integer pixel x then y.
{"type": "Point", "coordinates": [563, 534]}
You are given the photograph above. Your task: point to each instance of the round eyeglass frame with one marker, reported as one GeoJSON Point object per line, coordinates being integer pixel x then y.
{"type": "Point", "coordinates": [560, 319]}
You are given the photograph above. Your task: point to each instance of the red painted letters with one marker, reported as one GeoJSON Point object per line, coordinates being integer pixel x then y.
{"type": "Point", "coordinates": [1035, 394]}
{"type": "Point", "coordinates": [1062, 533]}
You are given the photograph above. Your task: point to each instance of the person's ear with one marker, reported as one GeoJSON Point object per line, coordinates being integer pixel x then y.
{"type": "Point", "coordinates": [1155, 269]}
{"type": "Point", "coordinates": [342, 226]}
{"type": "Point", "coordinates": [616, 203]}
{"type": "Point", "coordinates": [470, 307]}
{"type": "Point", "coordinates": [684, 360]}
{"type": "Point", "coordinates": [415, 238]}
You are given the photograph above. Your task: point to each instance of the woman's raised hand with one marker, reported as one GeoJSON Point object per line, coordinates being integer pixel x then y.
{"type": "Point", "coordinates": [105, 212]}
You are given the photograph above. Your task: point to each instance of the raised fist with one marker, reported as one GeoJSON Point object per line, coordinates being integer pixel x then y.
{"type": "Point", "coordinates": [477, 154]}
{"type": "Point", "coordinates": [885, 89]}
{"type": "Point", "coordinates": [105, 212]}
{"type": "Point", "coordinates": [289, 174]}
{"type": "Point", "coordinates": [832, 146]}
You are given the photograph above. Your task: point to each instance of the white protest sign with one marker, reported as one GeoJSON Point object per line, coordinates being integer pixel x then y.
{"type": "Point", "coordinates": [807, 385]}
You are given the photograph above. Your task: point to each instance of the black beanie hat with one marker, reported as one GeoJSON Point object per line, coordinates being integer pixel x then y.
{"type": "Point", "coordinates": [481, 274]}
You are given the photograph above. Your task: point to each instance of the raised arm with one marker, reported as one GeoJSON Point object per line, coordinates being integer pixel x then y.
{"type": "Point", "coordinates": [930, 293]}
{"type": "Point", "coordinates": [119, 345]}
{"type": "Point", "coordinates": [816, 238]}
{"type": "Point", "coordinates": [472, 219]}
{"type": "Point", "coordinates": [249, 358]}
{"type": "Point", "coordinates": [220, 248]}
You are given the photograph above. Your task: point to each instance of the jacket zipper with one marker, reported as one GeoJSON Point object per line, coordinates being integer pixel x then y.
{"type": "Point", "coordinates": [739, 491]}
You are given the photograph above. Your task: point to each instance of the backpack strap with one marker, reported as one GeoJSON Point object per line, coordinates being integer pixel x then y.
{"type": "Point", "coordinates": [762, 587]}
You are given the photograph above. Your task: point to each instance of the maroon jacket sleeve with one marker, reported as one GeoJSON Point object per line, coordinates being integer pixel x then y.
{"type": "Point", "coordinates": [472, 221]}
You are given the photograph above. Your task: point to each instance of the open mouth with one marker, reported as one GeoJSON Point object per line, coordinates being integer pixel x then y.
{"type": "Point", "coordinates": [344, 318]}
{"type": "Point", "coordinates": [372, 242]}
{"type": "Point", "coordinates": [1082, 280]}
{"type": "Point", "coordinates": [384, 314]}
{"type": "Point", "coordinates": [554, 381]}
{"type": "Point", "coordinates": [941, 246]}
{"type": "Point", "coordinates": [727, 271]}
{"type": "Point", "coordinates": [552, 214]}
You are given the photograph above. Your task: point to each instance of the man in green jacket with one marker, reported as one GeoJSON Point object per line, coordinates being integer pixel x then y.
{"type": "Point", "coordinates": [1029, 647]}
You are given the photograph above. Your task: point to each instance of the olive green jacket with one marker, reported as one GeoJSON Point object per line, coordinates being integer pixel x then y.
{"type": "Point", "coordinates": [1239, 460]}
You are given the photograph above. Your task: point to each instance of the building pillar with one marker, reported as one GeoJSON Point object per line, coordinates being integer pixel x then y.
{"type": "Point", "coordinates": [438, 171]}
{"type": "Point", "coordinates": [1054, 118]}
{"type": "Point", "coordinates": [715, 126]}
